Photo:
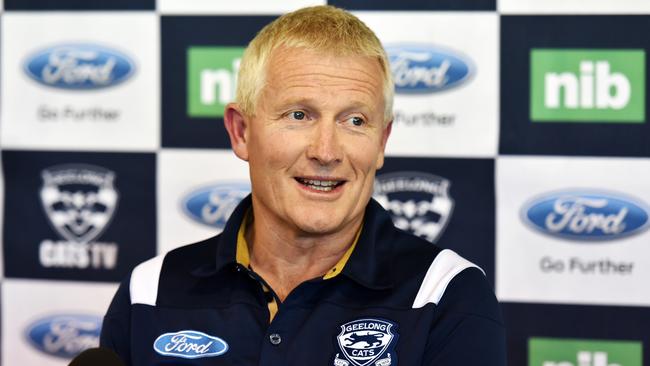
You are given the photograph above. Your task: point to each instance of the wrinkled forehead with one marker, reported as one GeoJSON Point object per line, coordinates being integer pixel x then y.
{"type": "Point", "coordinates": [307, 70]}
{"type": "Point", "coordinates": [285, 55]}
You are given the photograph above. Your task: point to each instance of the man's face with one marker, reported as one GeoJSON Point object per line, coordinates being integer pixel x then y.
{"type": "Point", "coordinates": [316, 140]}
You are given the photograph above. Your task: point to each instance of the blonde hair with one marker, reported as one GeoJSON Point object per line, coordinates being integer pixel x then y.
{"type": "Point", "coordinates": [321, 28]}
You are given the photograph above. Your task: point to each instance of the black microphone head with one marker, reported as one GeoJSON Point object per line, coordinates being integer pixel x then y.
{"type": "Point", "coordinates": [97, 357]}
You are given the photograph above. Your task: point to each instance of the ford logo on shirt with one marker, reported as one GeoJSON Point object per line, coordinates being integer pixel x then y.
{"type": "Point", "coordinates": [189, 344]}
{"type": "Point", "coordinates": [586, 215]}
{"type": "Point", "coordinates": [423, 69]}
{"type": "Point", "coordinates": [212, 205]}
{"type": "Point", "coordinates": [79, 66]}
{"type": "Point", "coordinates": [65, 335]}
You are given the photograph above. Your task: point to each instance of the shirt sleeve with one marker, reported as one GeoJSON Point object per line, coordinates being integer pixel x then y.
{"type": "Point", "coordinates": [116, 328]}
{"type": "Point", "coordinates": [468, 328]}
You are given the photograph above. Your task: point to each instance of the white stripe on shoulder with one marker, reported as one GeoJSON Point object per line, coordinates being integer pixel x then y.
{"type": "Point", "coordinates": [444, 268]}
{"type": "Point", "coordinates": [144, 281]}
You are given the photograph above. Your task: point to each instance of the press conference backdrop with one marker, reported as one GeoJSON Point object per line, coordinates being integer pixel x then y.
{"type": "Point", "coordinates": [520, 140]}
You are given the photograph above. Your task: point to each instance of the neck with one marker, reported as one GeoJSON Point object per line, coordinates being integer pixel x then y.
{"type": "Point", "coordinates": [286, 258]}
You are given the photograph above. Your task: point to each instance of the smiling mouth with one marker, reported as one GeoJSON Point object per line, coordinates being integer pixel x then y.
{"type": "Point", "coordinates": [322, 185]}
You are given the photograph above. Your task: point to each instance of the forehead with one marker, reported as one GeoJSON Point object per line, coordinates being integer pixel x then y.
{"type": "Point", "coordinates": [302, 72]}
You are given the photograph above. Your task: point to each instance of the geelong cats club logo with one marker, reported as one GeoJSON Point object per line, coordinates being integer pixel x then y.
{"type": "Point", "coordinates": [79, 200]}
{"type": "Point", "coordinates": [366, 342]}
{"type": "Point", "coordinates": [418, 202]}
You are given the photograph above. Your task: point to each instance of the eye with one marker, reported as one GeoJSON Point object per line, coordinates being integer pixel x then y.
{"type": "Point", "coordinates": [357, 121]}
{"type": "Point", "coordinates": [297, 115]}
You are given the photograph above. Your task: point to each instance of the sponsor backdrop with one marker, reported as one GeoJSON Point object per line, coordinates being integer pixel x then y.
{"type": "Point", "coordinates": [520, 140]}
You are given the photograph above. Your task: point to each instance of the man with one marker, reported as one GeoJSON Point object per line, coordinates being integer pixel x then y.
{"type": "Point", "coordinates": [309, 270]}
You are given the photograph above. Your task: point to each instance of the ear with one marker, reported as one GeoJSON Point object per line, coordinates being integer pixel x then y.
{"type": "Point", "coordinates": [236, 124]}
{"type": "Point", "coordinates": [384, 138]}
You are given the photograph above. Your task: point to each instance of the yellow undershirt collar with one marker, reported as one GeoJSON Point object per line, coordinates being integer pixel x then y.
{"type": "Point", "coordinates": [243, 256]}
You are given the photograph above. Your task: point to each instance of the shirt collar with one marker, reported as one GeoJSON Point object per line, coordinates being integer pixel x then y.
{"type": "Point", "coordinates": [370, 263]}
{"type": "Point", "coordinates": [366, 262]}
{"type": "Point", "coordinates": [338, 267]}
{"type": "Point", "coordinates": [226, 242]}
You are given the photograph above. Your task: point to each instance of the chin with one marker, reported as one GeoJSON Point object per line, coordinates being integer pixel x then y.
{"type": "Point", "coordinates": [318, 225]}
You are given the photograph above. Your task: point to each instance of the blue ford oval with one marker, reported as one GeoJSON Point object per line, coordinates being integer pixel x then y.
{"type": "Point", "coordinates": [79, 67]}
{"type": "Point", "coordinates": [586, 215]}
{"type": "Point", "coordinates": [212, 205]}
{"type": "Point", "coordinates": [65, 335]}
{"type": "Point", "coordinates": [423, 68]}
{"type": "Point", "coordinates": [189, 344]}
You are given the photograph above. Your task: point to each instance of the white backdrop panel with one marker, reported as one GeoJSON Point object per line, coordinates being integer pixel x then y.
{"type": "Point", "coordinates": [200, 175]}
{"type": "Point", "coordinates": [461, 120]}
{"type": "Point", "coordinates": [118, 116]}
{"type": "Point", "coordinates": [252, 7]}
{"type": "Point", "coordinates": [574, 6]}
{"type": "Point", "coordinates": [536, 266]}
{"type": "Point", "coordinates": [25, 302]}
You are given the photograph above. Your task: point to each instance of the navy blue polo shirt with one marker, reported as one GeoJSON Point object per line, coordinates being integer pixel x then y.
{"type": "Point", "coordinates": [398, 300]}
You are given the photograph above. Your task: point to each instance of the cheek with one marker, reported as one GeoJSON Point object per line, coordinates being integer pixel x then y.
{"type": "Point", "coordinates": [364, 150]}
{"type": "Point", "coordinates": [364, 158]}
{"type": "Point", "coordinates": [273, 150]}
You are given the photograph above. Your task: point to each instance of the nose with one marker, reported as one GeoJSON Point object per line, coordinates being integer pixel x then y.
{"type": "Point", "coordinates": [325, 146]}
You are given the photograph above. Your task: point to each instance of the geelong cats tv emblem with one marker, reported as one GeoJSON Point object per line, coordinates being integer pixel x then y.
{"type": "Point", "coordinates": [366, 342]}
{"type": "Point", "coordinates": [417, 202]}
{"type": "Point", "coordinates": [79, 200]}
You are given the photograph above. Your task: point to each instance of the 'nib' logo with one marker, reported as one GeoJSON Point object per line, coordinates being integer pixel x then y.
{"type": "Point", "coordinates": [587, 85]}
{"type": "Point", "coordinates": [586, 358]}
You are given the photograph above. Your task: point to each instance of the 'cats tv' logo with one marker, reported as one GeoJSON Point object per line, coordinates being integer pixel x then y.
{"type": "Point", "coordinates": [418, 202]}
{"type": "Point", "coordinates": [79, 201]}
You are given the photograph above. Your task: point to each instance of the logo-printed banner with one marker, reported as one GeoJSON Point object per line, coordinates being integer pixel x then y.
{"type": "Point", "coordinates": [83, 216]}
{"type": "Point", "coordinates": [569, 234]}
{"type": "Point", "coordinates": [200, 62]}
{"type": "Point", "coordinates": [569, 84]}
{"type": "Point", "coordinates": [558, 352]}
{"type": "Point", "coordinates": [438, 200]}
{"type": "Point", "coordinates": [50, 322]}
{"type": "Point", "coordinates": [198, 190]}
{"type": "Point", "coordinates": [99, 91]}
{"type": "Point", "coordinates": [440, 62]}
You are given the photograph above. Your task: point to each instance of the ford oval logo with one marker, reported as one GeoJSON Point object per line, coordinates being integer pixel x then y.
{"type": "Point", "coordinates": [422, 69]}
{"type": "Point", "coordinates": [212, 205]}
{"type": "Point", "coordinates": [79, 66]}
{"type": "Point", "coordinates": [586, 215]}
{"type": "Point", "coordinates": [65, 335]}
{"type": "Point", "coordinates": [189, 344]}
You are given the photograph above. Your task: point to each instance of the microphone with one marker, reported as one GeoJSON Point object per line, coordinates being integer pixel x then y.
{"type": "Point", "coordinates": [97, 357]}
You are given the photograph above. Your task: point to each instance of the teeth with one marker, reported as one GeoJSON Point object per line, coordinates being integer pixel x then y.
{"type": "Point", "coordinates": [324, 189]}
{"type": "Point", "coordinates": [324, 183]}
{"type": "Point", "coordinates": [320, 185]}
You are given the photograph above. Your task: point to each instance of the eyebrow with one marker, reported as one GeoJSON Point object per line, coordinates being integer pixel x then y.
{"type": "Point", "coordinates": [311, 102]}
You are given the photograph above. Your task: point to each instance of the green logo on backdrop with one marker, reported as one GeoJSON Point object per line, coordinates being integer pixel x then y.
{"type": "Point", "coordinates": [587, 85]}
{"type": "Point", "coordinates": [211, 79]}
{"type": "Point", "coordinates": [582, 352]}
